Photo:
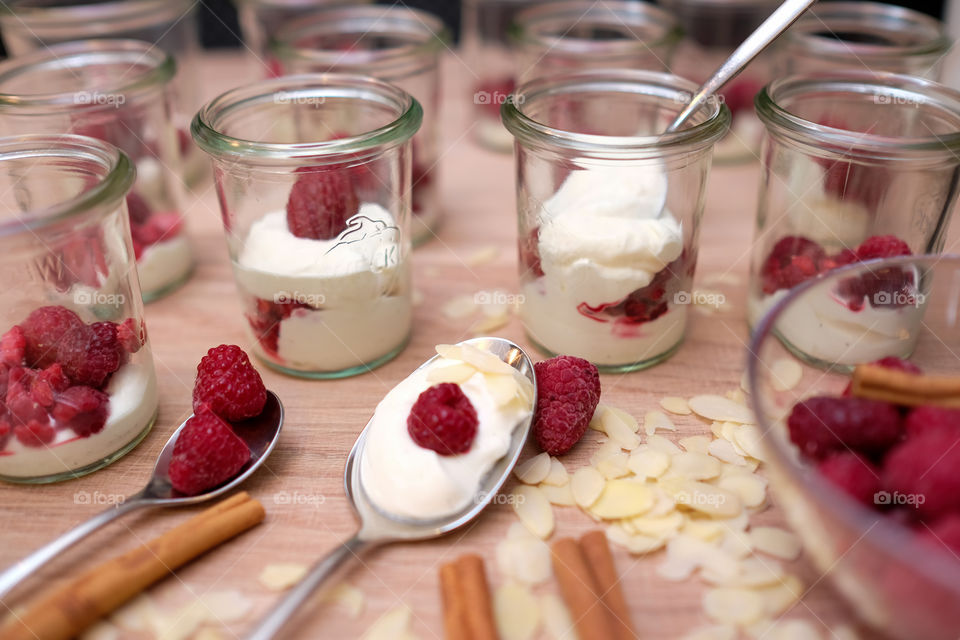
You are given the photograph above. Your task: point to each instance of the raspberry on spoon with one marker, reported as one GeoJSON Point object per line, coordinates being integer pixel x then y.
{"type": "Point", "coordinates": [443, 420]}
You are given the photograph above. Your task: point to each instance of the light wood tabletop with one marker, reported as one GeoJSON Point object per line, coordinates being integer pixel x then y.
{"type": "Point", "coordinates": [301, 485]}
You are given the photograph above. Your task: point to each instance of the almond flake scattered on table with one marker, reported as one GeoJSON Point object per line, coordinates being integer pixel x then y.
{"type": "Point", "coordinates": [392, 625]}
{"type": "Point", "coordinates": [282, 575]}
{"type": "Point", "coordinates": [524, 557]}
{"type": "Point", "coordinates": [556, 618]}
{"type": "Point", "coordinates": [785, 374]}
{"type": "Point", "coordinates": [459, 306]}
{"type": "Point", "coordinates": [516, 612]}
{"type": "Point", "coordinates": [102, 630]}
{"type": "Point", "coordinates": [534, 510]}
{"type": "Point", "coordinates": [534, 470]}
{"type": "Point", "coordinates": [675, 405]}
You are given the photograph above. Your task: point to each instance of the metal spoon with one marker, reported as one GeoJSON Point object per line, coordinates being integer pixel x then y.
{"type": "Point", "coordinates": [768, 31]}
{"type": "Point", "coordinates": [260, 434]}
{"type": "Point", "coordinates": [376, 528]}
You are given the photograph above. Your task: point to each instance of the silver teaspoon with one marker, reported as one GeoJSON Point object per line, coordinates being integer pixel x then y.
{"type": "Point", "coordinates": [377, 528]}
{"type": "Point", "coordinates": [260, 434]}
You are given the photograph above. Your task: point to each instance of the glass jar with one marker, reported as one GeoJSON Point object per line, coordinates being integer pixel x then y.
{"type": "Point", "coordinates": [117, 91]}
{"type": "Point", "coordinates": [559, 37]}
{"type": "Point", "coordinates": [609, 211]}
{"type": "Point", "coordinates": [855, 166]}
{"type": "Point", "coordinates": [65, 243]}
{"type": "Point", "coordinates": [714, 29]}
{"type": "Point", "coordinates": [28, 25]}
{"type": "Point", "coordinates": [487, 49]}
{"type": "Point", "coordinates": [864, 36]}
{"type": "Point", "coordinates": [398, 45]}
{"type": "Point", "coordinates": [313, 175]}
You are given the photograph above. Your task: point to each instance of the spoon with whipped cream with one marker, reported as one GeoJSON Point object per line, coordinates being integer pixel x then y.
{"type": "Point", "coordinates": [403, 491]}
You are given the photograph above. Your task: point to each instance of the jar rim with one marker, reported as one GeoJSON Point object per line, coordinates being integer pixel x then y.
{"type": "Point", "coordinates": [29, 16]}
{"type": "Point", "coordinates": [807, 33]}
{"type": "Point", "coordinates": [160, 71]}
{"type": "Point", "coordinates": [528, 25]}
{"type": "Point", "coordinates": [650, 83]}
{"type": "Point", "coordinates": [208, 137]}
{"type": "Point", "coordinates": [105, 195]}
{"type": "Point", "coordinates": [426, 35]}
{"type": "Point", "coordinates": [903, 89]}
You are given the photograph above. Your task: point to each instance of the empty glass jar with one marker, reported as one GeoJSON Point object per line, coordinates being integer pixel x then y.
{"type": "Point", "coordinates": [313, 175]}
{"type": "Point", "coordinates": [79, 388]}
{"type": "Point", "coordinates": [609, 211]}
{"type": "Point", "coordinates": [117, 91]}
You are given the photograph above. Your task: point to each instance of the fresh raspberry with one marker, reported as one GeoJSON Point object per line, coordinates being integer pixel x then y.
{"type": "Point", "coordinates": [882, 247]}
{"type": "Point", "coordinates": [34, 433]}
{"type": "Point", "coordinates": [739, 94]}
{"type": "Point", "coordinates": [443, 420]}
{"type": "Point", "coordinates": [44, 329]}
{"type": "Point", "coordinates": [320, 203]}
{"type": "Point", "coordinates": [265, 319]}
{"type": "Point", "coordinates": [791, 261]}
{"type": "Point", "coordinates": [228, 385]}
{"type": "Point", "coordinates": [130, 336]}
{"type": "Point", "coordinates": [922, 421]}
{"type": "Point", "coordinates": [422, 176]}
{"type": "Point", "coordinates": [6, 430]}
{"type": "Point", "coordinates": [568, 391]}
{"type": "Point", "coordinates": [207, 453]}
{"type": "Point", "coordinates": [492, 93]}
{"type": "Point", "coordinates": [924, 471]}
{"type": "Point", "coordinates": [853, 474]}
{"type": "Point", "coordinates": [21, 404]}
{"type": "Point", "coordinates": [529, 253]}
{"type": "Point", "coordinates": [943, 532]}
{"type": "Point", "coordinates": [90, 356]}
{"type": "Point", "coordinates": [822, 424]}
{"type": "Point", "coordinates": [137, 209]}
{"type": "Point", "coordinates": [83, 409]}
{"type": "Point", "coordinates": [839, 259]}
{"type": "Point", "coordinates": [47, 383]}
{"type": "Point", "coordinates": [13, 345]}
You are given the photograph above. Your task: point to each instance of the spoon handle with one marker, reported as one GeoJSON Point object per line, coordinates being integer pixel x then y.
{"type": "Point", "coordinates": [771, 28]}
{"type": "Point", "coordinates": [336, 562]}
{"type": "Point", "coordinates": [15, 574]}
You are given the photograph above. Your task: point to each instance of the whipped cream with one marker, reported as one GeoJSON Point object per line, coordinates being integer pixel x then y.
{"type": "Point", "coordinates": [404, 479]}
{"type": "Point", "coordinates": [164, 264]}
{"type": "Point", "coordinates": [133, 406]}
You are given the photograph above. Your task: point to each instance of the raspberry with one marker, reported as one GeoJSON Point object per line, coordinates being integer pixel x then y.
{"type": "Point", "coordinates": [265, 319]}
{"type": "Point", "coordinates": [50, 380]}
{"type": "Point", "coordinates": [822, 424]}
{"type": "Point", "coordinates": [83, 409]}
{"type": "Point", "coordinates": [443, 420]}
{"type": "Point", "coordinates": [739, 94]}
{"type": "Point", "coordinates": [90, 356]}
{"type": "Point", "coordinates": [34, 433]}
{"type": "Point", "coordinates": [840, 259]}
{"type": "Point", "coordinates": [207, 453]}
{"type": "Point", "coordinates": [492, 93]}
{"type": "Point", "coordinates": [943, 532]}
{"type": "Point", "coordinates": [924, 470]}
{"type": "Point", "coordinates": [137, 209]}
{"type": "Point", "coordinates": [228, 385]}
{"type": "Point", "coordinates": [890, 362]}
{"type": "Point", "coordinates": [922, 421]}
{"type": "Point", "coordinates": [529, 253]}
{"type": "Point", "coordinates": [791, 261]}
{"type": "Point", "coordinates": [882, 247]}
{"type": "Point", "coordinates": [568, 391]}
{"type": "Point", "coordinates": [13, 345]}
{"type": "Point", "coordinates": [130, 337]}
{"type": "Point", "coordinates": [44, 329]}
{"type": "Point", "coordinates": [422, 176]}
{"type": "Point", "coordinates": [21, 404]}
{"type": "Point", "coordinates": [320, 203]}
{"type": "Point", "coordinates": [853, 474]}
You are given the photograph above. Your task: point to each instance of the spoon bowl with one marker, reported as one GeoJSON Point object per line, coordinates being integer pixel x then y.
{"type": "Point", "coordinates": [378, 527]}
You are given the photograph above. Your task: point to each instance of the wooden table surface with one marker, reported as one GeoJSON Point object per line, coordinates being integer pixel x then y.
{"type": "Point", "coordinates": [301, 484]}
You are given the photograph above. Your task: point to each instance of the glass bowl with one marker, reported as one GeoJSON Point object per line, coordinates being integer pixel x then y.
{"type": "Point", "coordinates": [873, 554]}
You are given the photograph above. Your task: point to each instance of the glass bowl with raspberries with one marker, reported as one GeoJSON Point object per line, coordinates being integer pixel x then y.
{"type": "Point", "coordinates": [864, 456]}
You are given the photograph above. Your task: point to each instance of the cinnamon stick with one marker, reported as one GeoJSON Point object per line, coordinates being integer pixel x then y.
{"type": "Point", "coordinates": [476, 592]}
{"type": "Point", "coordinates": [64, 611]}
{"type": "Point", "coordinates": [596, 550]}
{"type": "Point", "coordinates": [580, 591]}
{"type": "Point", "coordinates": [909, 389]}
{"type": "Point", "coordinates": [454, 604]}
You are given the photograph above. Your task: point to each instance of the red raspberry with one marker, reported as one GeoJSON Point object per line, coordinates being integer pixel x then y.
{"type": "Point", "coordinates": [922, 421]}
{"type": "Point", "coordinates": [207, 453]}
{"type": "Point", "coordinates": [6, 429]}
{"type": "Point", "coordinates": [853, 474]}
{"type": "Point", "coordinates": [943, 532]}
{"type": "Point", "coordinates": [492, 93]}
{"type": "Point", "coordinates": [882, 247]}
{"type": "Point", "coordinates": [840, 259]}
{"type": "Point", "coordinates": [228, 385]}
{"type": "Point", "coordinates": [822, 424]}
{"type": "Point", "coordinates": [739, 94]}
{"type": "Point", "coordinates": [791, 261]}
{"type": "Point", "coordinates": [265, 319]}
{"type": "Point", "coordinates": [90, 356]}
{"type": "Point", "coordinates": [529, 253]}
{"type": "Point", "coordinates": [443, 420]}
{"type": "Point", "coordinates": [34, 433]}
{"type": "Point", "coordinates": [131, 337]}
{"type": "Point", "coordinates": [83, 409]}
{"type": "Point", "coordinates": [137, 209]}
{"type": "Point", "coordinates": [422, 176]}
{"type": "Point", "coordinates": [21, 404]}
{"type": "Point", "coordinates": [48, 382]}
{"type": "Point", "coordinates": [13, 345]}
{"type": "Point", "coordinates": [44, 329]}
{"type": "Point", "coordinates": [568, 391]}
{"type": "Point", "coordinates": [924, 470]}
{"type": "Point", "coordinates": [320, 203]}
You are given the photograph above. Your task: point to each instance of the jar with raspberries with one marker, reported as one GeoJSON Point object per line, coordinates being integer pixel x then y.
{"type": "Point", "coordinates": [77, 383]}
{"type": "Point", "coordinates": [609, 210]}
{"type": "Point", "coordinates": [865, 465]}
{"type": "Point", "coordinates": [396, 44]}
{"type": "Point", "coordinates": [313, 176]}
{"type": "Point", "coordinates": [119, 91]}
{"type": "Point", "coordinates": [856, 167]}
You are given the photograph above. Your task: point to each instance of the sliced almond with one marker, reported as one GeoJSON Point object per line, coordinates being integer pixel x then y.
{"type": "Point", "coordinates": [347, 597]}
{"type": "Point", "coordinates": [753, 573]}
{"type": "Point", "coordinates": [516, 612]}
{"type": "Point", "coordinates": [556, 618]}
{"type": "Point", "coordinates": [776, 542]}
{"type": "Point", "coordinates": [596, 421]}
{"type": "Point", "coordinates": [697, 444]}
{"type": "Point", "coordinates": [648, 463]}
{"type": "Point", "coordinates": [282, 575]}
{"type": "Point", "coordinates": [459, 307]}
{"type": "Point", "coordinates": [621, 428]}
{"type": "Point", "coordinates": [704, 529]}
{"type": "Point", "coordinates": [456, 372]}
{"type": "Point", "coordinates": [675, 405]}
{"type": "Point", "coordinates": [748, 438]}
{"type": "Point", "coordinates": [660, 443]}
{"type": "Point", "coordinates": [503, 388]}
{"type": "Point", "coordinates": [723, 450]}
{"type": "Point", "coordinates": [785, 374]}
{"type": "Point", "coordinates": [637, 544]}
{"type": "Point", "coordinates": [524, 558]}
{"type": "Point", "coordinates": [140, 614]}
{"type": "Point", "coordinates": [613, 414]}
{"type": "Point", "coordinates": [675, 569]}
{"type": "Point", "coordinates": [656, 420]}
{"type": "Point", "coordinates": [558, 475]}
{"type": "Point", "coordinates": [722, 409]}
{"type": "Point", "coordinates": [614, 466]}
{"type": "Point", "coordinates": [779, 597]}
{"type": "Point", "coordinates": [605, 450]}
{"type": "Point", "coordinates": [703, 497]}
{"type": "Point", "coordinates": [534, 470]}
{"type": "Point", "coordinates": [732, 605]}
{"type": "Point", "coordinates": [737, 395]}
{"type": "Point", "coordinates": [751, 490]}
{"type": "Point", "coordinates": [694, 466]}
{"type": "Point", "coordinates": [622, 499]}
{"type": "Point", "coordinates": [392, 625]}
{"type": "Point", "coordinates": [561, 496]}
{"type": "Point", "coordinates": [657, 527]}
{"type": "Point", "coordinates": [534, 510]}
{"type": "Point", "coordinates": [490, 323]}
{"type": "Point", "coordinates": [481, 360]}
{"type": "Point", "coordinates": [586, 484]}
{"type": "Point", "coordinates": [736, 543]}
